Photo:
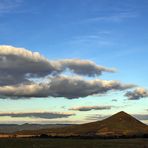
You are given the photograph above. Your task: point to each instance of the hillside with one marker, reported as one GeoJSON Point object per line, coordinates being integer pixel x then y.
{"type": "Point", "coordinates": [120, 124]}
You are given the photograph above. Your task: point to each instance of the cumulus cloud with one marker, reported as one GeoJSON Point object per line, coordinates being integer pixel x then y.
{"type": "Point", "coordinates": [84, 67]}
{"type": "Point", "coordinates": [43, 115]}
{"type": "Point", "coordinates": [18, 65]}
{"type": "Point", "coordinates": [22, 90]}
{"type": "Point", "coordinates": [63, 86]}
{"type": "Point", "coordinates": [76, 87]}
{"type": "Point", "coordinates": [88, 108]}
{"type": "Point", "coordinates": [21, 63]}
{"type": "Point", "coordinates": [137, 94]}
{"type": "Point", "coordinates": [28, 74]}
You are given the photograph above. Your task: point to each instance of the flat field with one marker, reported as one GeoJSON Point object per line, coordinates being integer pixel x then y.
{"type": "Point", "coordinates": [72, 143]}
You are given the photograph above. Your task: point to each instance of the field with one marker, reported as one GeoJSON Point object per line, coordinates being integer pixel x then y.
{"type": "Point", "coordinates": [73, 143]}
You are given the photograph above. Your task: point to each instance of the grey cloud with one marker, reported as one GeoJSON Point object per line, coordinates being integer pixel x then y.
{"type": "Point", "coordinates": [43, 115]}
{"type": "Point", "coordinates": [141, 116]}
{"type": "Point", "coordinates": [88, 108]}
{"type": "Point", "coordinates": [82, 67]}
{"type": "Point", "coordinates": [11, 80]}
{"type": "Point", "coordinates": [19, 91]}
{"type": "Point", "coordinates": [137, 94]}
{"type": "Point", "coordinates": [114, 100]}
{"type": "Point", "coordinates": [75, 87]}
{"type": "Point", "coordinates": [19, 61]}
{"type": "Point", "coordinates": [18, 65]}
{"type": "Point", "coordinates": [63, 86]}
{"type": "Point", "coordinates": [96, 117]}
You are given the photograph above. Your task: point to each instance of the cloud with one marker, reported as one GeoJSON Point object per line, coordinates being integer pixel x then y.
{"type": "Point", "coordinates": [84, 67]}
{"type": "Point", "coordinates": [18, 65]}
{"type": "Point", "coordinates": [115, 17]}
{"type": "Point", "coordinates": [24, 62]}
{"type": "Point", "coordinates": [63, 86]}
{"type": "Point", "coordinates": [43, 115]}
{"type": "Point", "coordinates": [141, 116]}
{"type": "Point", "coordinates": [22, 90]}
{"type": "Point", "coordinates": [114, 100]}
{"type": "Point", "coordinates": [88, 108]}
{"type": "Point", "coordinates": [28, 74]}
{"type": "Point", "coordinates": [96, 117]}
{"type": "Point", "coordinates": [76, 87]}
{"type": "Point", "coordinates": [137, 94]}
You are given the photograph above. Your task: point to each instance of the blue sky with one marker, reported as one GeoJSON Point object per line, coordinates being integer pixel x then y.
{"type": "Point", "coordinates": [111, 33]}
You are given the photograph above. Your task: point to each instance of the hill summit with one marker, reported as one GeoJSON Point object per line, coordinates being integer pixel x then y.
{"type": "Point", "coordinates": [122, 124]}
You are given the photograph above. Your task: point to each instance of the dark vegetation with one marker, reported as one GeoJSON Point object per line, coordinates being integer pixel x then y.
{"type": "Point", "coordinates": [92, 137]}
{"type": "Point", "coordinates": [72, 143]}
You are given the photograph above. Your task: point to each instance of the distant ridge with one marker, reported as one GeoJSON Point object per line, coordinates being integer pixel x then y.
{"type": "Point", "coordinates": [11, 128]}
{"type": "Point", "coordinates": [119, 125]}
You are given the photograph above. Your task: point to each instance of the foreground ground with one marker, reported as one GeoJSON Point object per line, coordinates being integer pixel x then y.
{"type": "Point", "coordinates": [73, 143]}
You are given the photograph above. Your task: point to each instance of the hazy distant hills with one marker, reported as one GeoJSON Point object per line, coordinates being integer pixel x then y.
{"type": "Point", "coordinates": [120, 124]}
{"type": "Point", "coordinates": [11, 128]}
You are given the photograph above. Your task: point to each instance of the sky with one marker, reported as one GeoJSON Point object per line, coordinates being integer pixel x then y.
{"type": "Point", "coordinates": [72, 61]}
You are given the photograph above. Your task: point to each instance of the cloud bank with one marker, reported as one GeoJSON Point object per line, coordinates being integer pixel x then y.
{"type": "Point", "coordinates": [141, 116]}
{"type": "Point", "coordinates": [43, 115]}
{"type": "Point", "coordinates": [88, 108]}
{"type": "Point", "coordinates": [137, 94]}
